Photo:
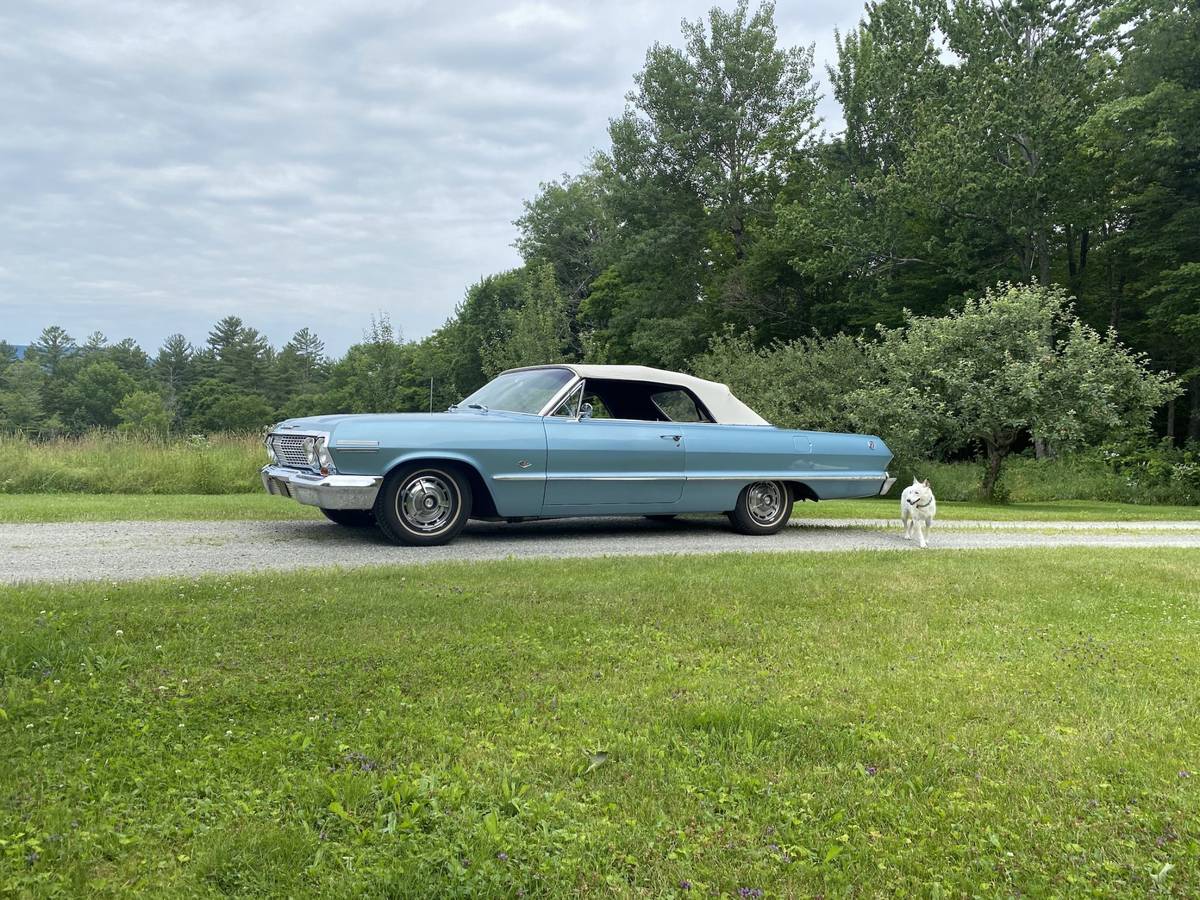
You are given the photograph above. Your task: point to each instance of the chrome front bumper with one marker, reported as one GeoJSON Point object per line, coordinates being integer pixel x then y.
{"type": "Point", "coordinates": [327, 491]}
{"type": "Point", "coordinates": [887, 485]}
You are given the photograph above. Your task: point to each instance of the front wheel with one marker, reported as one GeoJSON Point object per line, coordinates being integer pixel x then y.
{"type": "Point", "coordinates": [350, 518]}
{"type": "Point", "coordinates": [763, 507]}
{"type": "Point", "coordinates": [423, 505]}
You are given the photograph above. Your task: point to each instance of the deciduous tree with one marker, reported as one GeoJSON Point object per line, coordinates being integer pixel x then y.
{"type": "Point", "coordinates": [1013, 363]}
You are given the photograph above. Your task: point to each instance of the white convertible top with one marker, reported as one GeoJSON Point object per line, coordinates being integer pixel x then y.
{"type": "Point", "coordinates": [725, 408]}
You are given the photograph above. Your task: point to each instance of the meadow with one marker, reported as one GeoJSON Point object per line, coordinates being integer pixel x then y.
{"type": "Point", "coordinates": [110, 462]}
{"type": "Point", "coordinates": [991, 723]}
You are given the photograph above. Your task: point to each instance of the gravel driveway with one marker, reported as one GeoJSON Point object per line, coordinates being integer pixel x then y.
{"type": "Point", "coordinates": [127, 550]}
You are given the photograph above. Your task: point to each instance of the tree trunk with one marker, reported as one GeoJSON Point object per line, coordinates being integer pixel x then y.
{"type": "Point", "coordinates": [995, 456]}
{"type": "Point", "coordinates": [1171, 420]}
{"type": "Point", "coordinates": [1194, 417]}
{"type": "Point", "coordinates": [1114, 303]}
{"type": "Point", "coordinates": [1044, 256]}
{"type": "Point", "coordinates": [1114, 316]}
{"type": "Point", "coordinates": [1072, 270]}
{"type": "Point", "coordinates": [1077, 287]}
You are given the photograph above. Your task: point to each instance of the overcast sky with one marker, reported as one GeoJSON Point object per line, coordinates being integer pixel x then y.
{"type": "Point", "coordinates": [164, 163]}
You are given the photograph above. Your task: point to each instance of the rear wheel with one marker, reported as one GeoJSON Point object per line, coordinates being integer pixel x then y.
{"type": "Point", "coordinates": [350, 518]}
{"type": "Point", "coordinates": [763, 507]}
{"type": "Point", "coordinates": [423, 504]}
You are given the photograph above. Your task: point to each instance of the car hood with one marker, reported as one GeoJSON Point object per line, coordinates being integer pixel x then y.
{"type": "Point", "coordinates": [332, 422]}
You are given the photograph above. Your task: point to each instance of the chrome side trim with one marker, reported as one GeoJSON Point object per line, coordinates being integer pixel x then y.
{"type": "Point", "coordinates": [887, 485]}
{"type": "Point", "coordinates": [679, 477]}
{"type": "Point", "coordinates": [748, 477]}
{"type": "Point", "coordinates": [540, 477]}
{"type": "Point", "coordinates": [786, 476]}
{"type": "Point", "coordinates": [357, 445]}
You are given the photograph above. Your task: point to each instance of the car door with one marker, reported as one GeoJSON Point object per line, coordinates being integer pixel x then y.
{"type": "Point", "coordinates": [606, 464]}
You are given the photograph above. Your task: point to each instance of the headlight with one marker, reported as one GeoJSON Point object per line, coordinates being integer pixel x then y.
{"type": "Point", "coordinates": [271, 457]}
{"type": "Point", "coordinates": [323, 457]}
{"type": "Point", "coordinates": [310, 450]}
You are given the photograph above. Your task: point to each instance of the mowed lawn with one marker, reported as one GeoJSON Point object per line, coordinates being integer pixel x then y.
{"type": "Point", "coordinates": [976, 723]}
{"type": "Point", "coordinates": [1039, 511]}
{"type": "Point", "coordinates": [30, 508]}
{"type": "Point", "coordinates": [21, 508]}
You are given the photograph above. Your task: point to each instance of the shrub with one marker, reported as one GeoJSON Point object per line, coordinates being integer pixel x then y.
{"type": "Point", "coordinates": [1161, 473]}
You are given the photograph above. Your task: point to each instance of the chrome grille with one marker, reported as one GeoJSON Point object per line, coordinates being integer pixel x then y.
{"type": "Point", "coordinates": [289, 450]}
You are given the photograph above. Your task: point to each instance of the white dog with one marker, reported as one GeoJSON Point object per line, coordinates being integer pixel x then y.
{"type": "Point", "coordinates": [917, 509]}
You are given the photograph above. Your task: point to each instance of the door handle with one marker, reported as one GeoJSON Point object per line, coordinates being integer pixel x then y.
{"type": "Point", "coordinates": [671, 437]}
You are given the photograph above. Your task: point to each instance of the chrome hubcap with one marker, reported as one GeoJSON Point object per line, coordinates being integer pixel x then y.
{"type": "Point", "coordinates": [764, 500]}
{"type": "Point", "coordinates": [426, 502]}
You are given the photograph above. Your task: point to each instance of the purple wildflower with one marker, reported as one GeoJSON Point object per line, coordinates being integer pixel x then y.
{"type": "Point", "coordinates": [502, 856]}
{"type": "Point", "coordinates": [871, 770]}
{"type": "Point", "coordinates": [749, 892]}
{"type": "Point", "coordinates": [1184, 773]}
{"type": "Point", "coordinates": [685, 885]}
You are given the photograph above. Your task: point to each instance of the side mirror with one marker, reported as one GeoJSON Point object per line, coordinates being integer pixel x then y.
{"type": "Point", "coordinates": [585, 411]}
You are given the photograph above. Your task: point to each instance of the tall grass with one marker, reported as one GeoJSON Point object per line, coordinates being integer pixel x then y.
{"type": "Point", "coordinates": [1027, 480]}
{"type": "Point", "coordinates": [1022, 479]}
{"type": "Point", "coordinates": [107, 462]}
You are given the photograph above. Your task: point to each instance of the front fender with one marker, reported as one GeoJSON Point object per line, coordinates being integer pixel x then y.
{"type": "Point", "coordinates": [426, 456]}
{"type": "Point", "coordinates": [508, 498]}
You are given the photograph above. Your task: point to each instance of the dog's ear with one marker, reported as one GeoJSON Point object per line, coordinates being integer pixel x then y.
{"type": "Point", "coordinates": [925, 482]}
{"type": "Point", "coordinates": [916, 481]}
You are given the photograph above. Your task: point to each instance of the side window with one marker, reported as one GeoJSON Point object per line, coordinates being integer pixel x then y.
{"type": "Point", "coordinates": [599, 410]}
{"type": "Point", "coordinates": [569, 408]}
{"type": "Point", "coordinates": [677, 405]}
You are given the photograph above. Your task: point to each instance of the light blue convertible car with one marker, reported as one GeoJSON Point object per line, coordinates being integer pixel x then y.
{"type": "Point", "coordinates": [567, 440]}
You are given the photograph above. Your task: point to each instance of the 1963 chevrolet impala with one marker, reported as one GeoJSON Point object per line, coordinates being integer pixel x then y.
{"type": "Point", "coordinates": [567, 440]}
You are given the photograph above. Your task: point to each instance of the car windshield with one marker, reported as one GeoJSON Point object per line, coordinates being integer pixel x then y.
{"type": "Point", "coordinates": [524, 392]}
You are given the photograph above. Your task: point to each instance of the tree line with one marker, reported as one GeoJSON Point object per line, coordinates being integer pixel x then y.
{"type": "Point", "coordinates": [985, 141]}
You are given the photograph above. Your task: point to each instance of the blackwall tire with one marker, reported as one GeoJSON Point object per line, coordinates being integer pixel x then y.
{"type": "Point", "coordinates": [763, 507]}
{"type": "Point", "coordinates": [350, 518]}
{"type": "Point", "coordinates": [423, 504]}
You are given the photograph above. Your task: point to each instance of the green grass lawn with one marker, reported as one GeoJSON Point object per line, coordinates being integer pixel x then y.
{"type": "Point", "coordinates": [994, 723]}
{"type": "Point", "coordinates": [123, 507]}
{"type": "Point", "coordinates": [127, 507]}
{"type": "Point", "coordinates": [1045, 511]}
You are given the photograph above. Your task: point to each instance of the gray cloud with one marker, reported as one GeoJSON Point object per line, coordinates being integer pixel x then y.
{"type": "Point", "coordinates": [312, 163]}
